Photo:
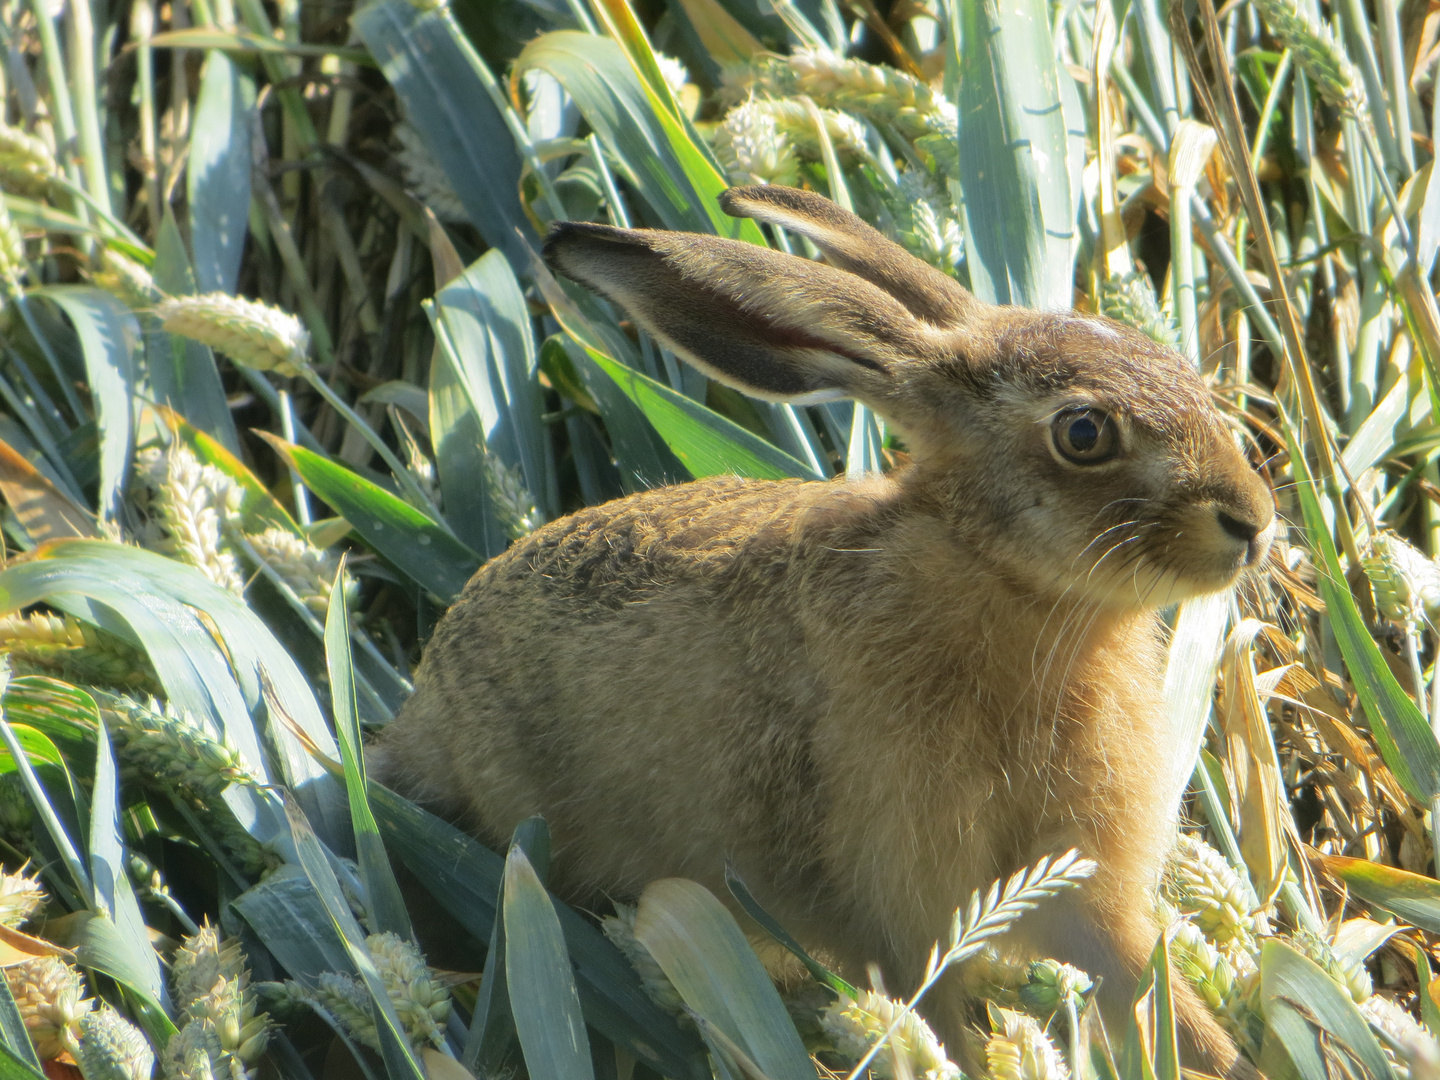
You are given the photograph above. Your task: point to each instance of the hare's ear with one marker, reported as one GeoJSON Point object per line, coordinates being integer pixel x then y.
{"type": "Point", "coordinates": [770, 324]}
{"type": "Point", "coordinates": [852, 245]}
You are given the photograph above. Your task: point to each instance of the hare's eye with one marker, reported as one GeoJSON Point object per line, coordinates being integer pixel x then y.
{"type": "Point", "coordinates": [1084, 436]}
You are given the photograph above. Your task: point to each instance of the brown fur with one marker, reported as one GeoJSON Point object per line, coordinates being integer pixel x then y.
{"type": "Point", "coordinates": [876, 696]}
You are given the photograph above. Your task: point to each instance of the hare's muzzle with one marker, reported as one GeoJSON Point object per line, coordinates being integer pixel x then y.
{"type": "Point", "coordinates": [1239, 525]}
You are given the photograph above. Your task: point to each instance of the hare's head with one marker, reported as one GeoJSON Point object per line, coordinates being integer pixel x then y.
{"type": "Point", "coordinates": [1070, 450]}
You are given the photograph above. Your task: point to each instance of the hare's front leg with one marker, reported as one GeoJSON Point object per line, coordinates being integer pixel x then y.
{"type": "Point", "coordinates": [1109, 932]}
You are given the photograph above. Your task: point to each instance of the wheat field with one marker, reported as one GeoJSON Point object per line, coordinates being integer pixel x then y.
{"type": "Point", "coordinates": [280, 368]}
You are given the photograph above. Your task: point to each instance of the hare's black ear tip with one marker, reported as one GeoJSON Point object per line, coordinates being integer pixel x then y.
{"type": "Point", "coordinates": [555, 241]}
{"type": "Point", "coordinates": [733, 200]}
{"type": "Point", "coordinates": [741, 201]}
{"type": "Point", "coordinates": [566, 237]}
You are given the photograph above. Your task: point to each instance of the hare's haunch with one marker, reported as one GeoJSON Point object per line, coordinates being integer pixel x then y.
{"type": "Point", "coordinates": [872, 696]}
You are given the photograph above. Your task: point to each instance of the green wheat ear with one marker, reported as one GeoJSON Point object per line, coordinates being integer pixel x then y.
{"type": "Point", "coordinates": [21, 896]}
{"type": "Point", "coordinates": [1409, 1047]}
{"type": "Point", "coordinates": [420, 1001]}
{"type": "Point", "coordinates": [224, 1030]}
{"type": "Point", "coordinates": [63, 645]}
{"type": "Point", "coordinates": [250, 333]}
{"type": "Point", "coordinates": [1051, 986]}
{"type": "Point", "coordinates": [1405, 582]}
{"type": "Point", "coordinates": [12, 248]}
{"type": "Point", "coordinates": [854, 1025]}
{"type": "Point", "coordinates": [112, 1048]}
{"type": "Point", "coordinates": [880, 94]}
{"type": "Point", "coordinates": [752, 147]}
{"type": "Point", "coordinates": [426, 179]}
{"type": "Point", "coordinates": [308, 570]}
{"type": "Point", "coordinates": [1203, 886]}
{"type": "Point", "coordinates": [192, 502]}
{"type": "Point", "coordinates": [1319, 54]}
{"type": "Point", "coordinates": [50, 995]}
{"type": "Point", "coordinates": [26, 163]}
{"type": "Point", "coordinates": [162, 741]}
{"type": "Point", "coordinates": [1131, 300]}
{"type": "Point", "coordinates": [620, 929]}
{"type": "Point", "coordinates": [1229, 989]}
{"type": "Point", "coordinates": [1019, 1049]}
{"type": "Point", "coordinates": [127, 279]}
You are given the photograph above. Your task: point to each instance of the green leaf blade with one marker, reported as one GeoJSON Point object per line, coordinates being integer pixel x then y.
{"type": "Point", "coordinates": [543, 998]}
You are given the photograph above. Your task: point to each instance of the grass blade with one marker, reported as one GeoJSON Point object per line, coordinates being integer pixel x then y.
{"type": "Point", "coordinates": [182, 372]}
{"type": "Point", "coordinates": [113, 894]}
{"type": "Point", "coordinates": [1402, 733]}
{"type": "Point", "coordinates": [642, 457]}
{"type": "Point", "coordinates": [147, 598]}
{"type": "Point", "coordinates": [1301, 1003]}
{"type": "Point", "coordinates": [287, 916]}
{"type": "Point", "coordinates": [1412, 897]}
{"type": "Point", "coordinates": [41, 509]}
{"type": "Point", "coordinates": [430, 66]}
{"type": "Point", "coordinates": [420, 547]}
{"type": "Point", "coordinates": [109, 337]}
{"type": "Point", "coordinates": [460, 458]}
{"type": "Point", "coordinates": [1190, 668]}
{"type": "Point", "coordinates": [1019, 211]}
{"type": "Point", "coordinates": [13, 1035]}
{"type": "Point", "coordinates": [15, 1067]}
{"type": "Point", "coordinates": [386, 906]}
{"type": "Point", "coordinates": [218, 172]}
{"type": "Point", "coordinates": [647, 144]}
{"type": "Point", "coordinates": [464, 877]}
{"type": "Point", "coordinates": [400, 1060]}
{"type": "Point", "coordinates": [705, 442]}
{"type": "Point", "coordinates": [543, 999]}
{"type": "Point", "coordinates": [746, 899]}
{"type": "Point", "coordinates": [488, 323]}
{"type": "Point", "coordinates": [702, 951]}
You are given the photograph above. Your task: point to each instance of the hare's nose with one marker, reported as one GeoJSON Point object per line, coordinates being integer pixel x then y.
{"type": "Point", "coordinates": [1244, 531]}
{"type": "Point", "coordinates": [1253, 534]}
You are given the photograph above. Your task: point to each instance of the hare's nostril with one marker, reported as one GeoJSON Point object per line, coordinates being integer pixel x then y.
{"type": "Point", "coordinates": [1244, 531]}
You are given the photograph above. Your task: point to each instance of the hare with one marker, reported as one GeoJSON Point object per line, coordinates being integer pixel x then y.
{"type": "Point", "coordinates": [872, 696]}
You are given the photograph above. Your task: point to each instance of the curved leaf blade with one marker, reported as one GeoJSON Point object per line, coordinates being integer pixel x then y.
{"type": "Point", "coordinates": [431, 66]}
{"type": "Point", "coordinates": [464, 877]}
{"type": "Point", "coordinates": [647, 143]}
{"type": "Point", "coordinates": [152, 600]}
{"type": "Point", "coordinates": [217, 175]}
{"type": "Point", "coordinates": [706, 443]}
{"type": "Point", "coordinates": [1413, 897]}
{"type": "Point", "coordinates": [698, 944]}
{"type": "Point", "coordinates": [420, 547]}
{"type": "Point", "coordinates": [1014, 163]}
{"type": "Point", "coordinates": [109, 337]}
{"type": "Point", "coordinates": [383, 894]}
{"type": "Point", "coordinates": [1301, 1002]}
{"type": "Point", "coordinates": [543, 999]}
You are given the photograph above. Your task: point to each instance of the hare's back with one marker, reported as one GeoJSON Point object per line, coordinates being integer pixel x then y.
{"type": "Point", "coordinates": [629, 550]}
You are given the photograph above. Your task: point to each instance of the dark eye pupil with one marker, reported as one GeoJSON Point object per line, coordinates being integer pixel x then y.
{"type": "Point", "coordinates": [1084, 433]}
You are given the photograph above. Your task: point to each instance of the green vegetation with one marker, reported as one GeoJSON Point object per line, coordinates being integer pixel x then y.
{"type": "Point", "coordinates": [279, 368]}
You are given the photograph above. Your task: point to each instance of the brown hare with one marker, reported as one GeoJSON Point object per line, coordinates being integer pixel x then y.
{"type": "Point", "coordinates": [873, 696]}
